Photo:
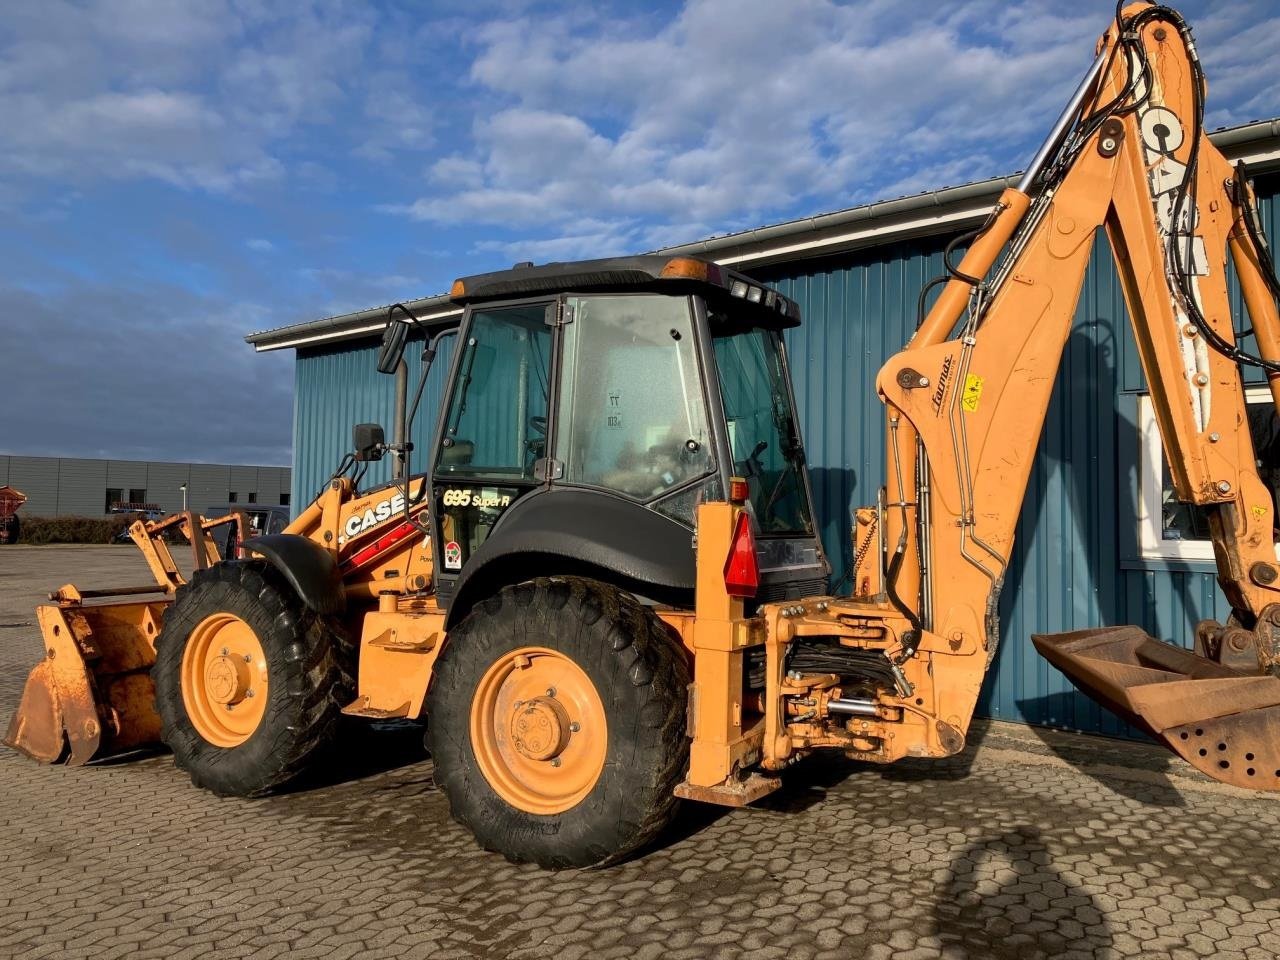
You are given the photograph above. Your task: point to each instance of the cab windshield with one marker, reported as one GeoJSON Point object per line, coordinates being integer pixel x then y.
{"type": "Point", "coordinates": [763, 438]}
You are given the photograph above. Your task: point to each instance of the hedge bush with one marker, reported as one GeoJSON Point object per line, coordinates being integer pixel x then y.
{"type": "Point", "coordinates": [42, 530]}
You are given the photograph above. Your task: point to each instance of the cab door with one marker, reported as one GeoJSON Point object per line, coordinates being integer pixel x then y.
{"type": "Point", "coordinates": [491, 447]}
{"type": "Point", "coordinates": [632, 418]}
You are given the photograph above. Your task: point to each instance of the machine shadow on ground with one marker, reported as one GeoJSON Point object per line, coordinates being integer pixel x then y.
{"type": "Point", "coordinates": [1150, 769]}
{"type": "Point", "coordinates": [364, 750]}
{"type": "Point", "coordinates": [1005, 900]}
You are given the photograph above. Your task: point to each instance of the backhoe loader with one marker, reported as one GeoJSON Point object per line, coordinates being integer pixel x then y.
{"type": "Point", "coordinates": [605, 592]}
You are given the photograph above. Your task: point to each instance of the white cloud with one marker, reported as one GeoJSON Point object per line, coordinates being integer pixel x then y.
{"type": "Point", "coordinates": [582, 239]}
{"type": "Point", "coordinates": [260, 245]}
{"type": "Point", "coordinates": [204, 94]}
{"type": "Point", "coordinates": [734, 112]}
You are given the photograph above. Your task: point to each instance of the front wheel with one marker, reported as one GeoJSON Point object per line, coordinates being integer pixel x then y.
{"type": "Point", "coordinates": [557, 723]}
{"type": "Point", "coordinates": [249, 682]}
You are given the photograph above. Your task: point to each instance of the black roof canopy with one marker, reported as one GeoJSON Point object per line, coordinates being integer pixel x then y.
{"type": "Point", "coordinates": [751, 302]}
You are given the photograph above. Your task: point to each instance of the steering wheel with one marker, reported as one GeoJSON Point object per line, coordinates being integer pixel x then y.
{"type": "Point", "coordinates": [537, 445]}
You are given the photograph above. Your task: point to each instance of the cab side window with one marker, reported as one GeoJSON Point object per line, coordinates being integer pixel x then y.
{"type": "Point", "coordinates": [632, 414]}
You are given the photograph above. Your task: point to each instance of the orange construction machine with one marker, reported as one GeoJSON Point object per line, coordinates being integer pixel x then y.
{"type": "Point", "coordinates": [606, 591]}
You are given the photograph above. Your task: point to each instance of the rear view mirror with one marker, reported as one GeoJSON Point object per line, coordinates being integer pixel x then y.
{"type": "Point", "coordinates": [393, 339]}
{"type": "Point", "coordinates": [368, 441]}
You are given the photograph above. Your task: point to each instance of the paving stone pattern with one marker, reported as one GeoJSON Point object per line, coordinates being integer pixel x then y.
{"type": "Point", "coordinates": [1030, 844]}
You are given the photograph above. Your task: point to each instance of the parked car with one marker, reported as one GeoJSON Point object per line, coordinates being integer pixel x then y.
{"type": "Point", "coordinates": [263, 519]}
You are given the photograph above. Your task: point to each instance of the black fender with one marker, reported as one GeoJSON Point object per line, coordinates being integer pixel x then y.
{"type": "Point", "coordinates": [310, 569]}
{"type": "Point", "coordinates": [582, 533]}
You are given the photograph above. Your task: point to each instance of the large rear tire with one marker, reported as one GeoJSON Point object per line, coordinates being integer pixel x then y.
{"type": "Point", "coordinates": [249, 681]}
{"type": "Point", "coordinates": [556, 723]}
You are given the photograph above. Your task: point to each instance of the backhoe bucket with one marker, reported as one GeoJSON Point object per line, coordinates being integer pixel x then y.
{"type": "Point", "coordinates": [91, 695]}
{"type": "Point", "coordinates": [1222, 722]}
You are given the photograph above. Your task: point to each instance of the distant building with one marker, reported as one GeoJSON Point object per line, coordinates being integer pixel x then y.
{"type": "Point", "coordinates": [64, 486]}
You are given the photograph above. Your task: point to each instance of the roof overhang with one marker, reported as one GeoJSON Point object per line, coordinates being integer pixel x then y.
{"type": "Point", "coordinates": [926, 214]}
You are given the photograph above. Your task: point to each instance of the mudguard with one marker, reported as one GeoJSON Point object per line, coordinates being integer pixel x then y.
{"type": "Point", "coordinates": [308, 567]}
{"type": "Point", "coordinates": [587, 529]}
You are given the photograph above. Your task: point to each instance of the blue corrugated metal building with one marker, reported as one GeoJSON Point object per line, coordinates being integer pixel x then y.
{"type": "Point", "coordinates": [1083, 555]}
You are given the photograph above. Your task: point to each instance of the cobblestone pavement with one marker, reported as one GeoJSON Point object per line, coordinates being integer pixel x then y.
{"type": "Point", "coordinates": [1027, 845]}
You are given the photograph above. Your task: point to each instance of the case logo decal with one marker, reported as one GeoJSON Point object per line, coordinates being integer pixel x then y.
{"type": "Point", "coordinates": [452, 556]}
{"type": "Point", "coordinates": [358, 523]}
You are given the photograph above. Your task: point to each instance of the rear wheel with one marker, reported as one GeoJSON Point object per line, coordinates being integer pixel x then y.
{"type": "Point", "coordinates": [557, 723]}
{"type": "Point", "coordinates": [249, 682]}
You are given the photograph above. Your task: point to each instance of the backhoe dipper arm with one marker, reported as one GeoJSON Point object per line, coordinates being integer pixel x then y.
{"type": "Point", "coordinates": [966, 400]}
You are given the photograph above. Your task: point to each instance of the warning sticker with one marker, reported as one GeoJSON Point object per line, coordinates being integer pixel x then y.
{"type": "Point", "coordinates": [1259, 511]}
{"type": "Point", "coordinates": [452, 556]}
{"type": "Point", "coordinates": [972, 393]}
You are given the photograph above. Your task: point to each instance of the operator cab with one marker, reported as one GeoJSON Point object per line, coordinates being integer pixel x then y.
{"type": "Point", "coordinates": [593, 405]}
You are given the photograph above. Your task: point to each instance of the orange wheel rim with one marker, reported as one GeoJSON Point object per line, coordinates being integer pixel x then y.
{"type": "Point", "coordinates": [224, 680]}
{"type": "Point", "coordinates": [538, 730]}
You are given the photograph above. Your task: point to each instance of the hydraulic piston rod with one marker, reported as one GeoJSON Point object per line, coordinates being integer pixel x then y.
{"type": "Point", "coordinates": [853, 708]}
{"type": "Point", "coordinates": [1064, 123]}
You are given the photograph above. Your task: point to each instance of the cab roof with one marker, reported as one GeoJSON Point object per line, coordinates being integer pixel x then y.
{"type": "Point", "coordinates": [721, 287]}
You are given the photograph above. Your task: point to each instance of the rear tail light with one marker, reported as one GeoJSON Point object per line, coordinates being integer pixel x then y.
{"type": "Point", "coordinates": [741, 573]}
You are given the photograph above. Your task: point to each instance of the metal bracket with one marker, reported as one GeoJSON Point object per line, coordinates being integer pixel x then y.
{"type": "Point", "coordinates": [548, 469]}
{"type": "Point", "coordinates": [909, 379]}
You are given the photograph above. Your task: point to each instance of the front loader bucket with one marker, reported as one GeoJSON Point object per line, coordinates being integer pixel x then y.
{"type": "Point", "coordinates": [1222, 722]}
{"type": "Point", "coordinates": [91, 694]}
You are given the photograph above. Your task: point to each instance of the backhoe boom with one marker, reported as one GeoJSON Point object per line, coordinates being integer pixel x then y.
{"type": "Point", "coordinates": [966, 400]}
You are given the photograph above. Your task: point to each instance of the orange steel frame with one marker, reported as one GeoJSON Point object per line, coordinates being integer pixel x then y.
{"type": "Point", "coordinates": [965, 404]}
{"type": "Point", "coordinates": [390, 562]}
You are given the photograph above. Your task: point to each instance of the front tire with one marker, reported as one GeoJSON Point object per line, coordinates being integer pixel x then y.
{"type": "Point", "coordinates": [556, 723]}
{"type": "Point", "coordinates": [249, 681]}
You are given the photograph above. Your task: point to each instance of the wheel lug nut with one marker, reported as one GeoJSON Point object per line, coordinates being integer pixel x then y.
{"type": "Point", "coordinates": [555, 761]}
{"type": "Point", "coordinates": [248, 659]}
{"type": "Point", "coordinates": [248, 693]}
{"type": "Point", "coordinates": [575, 726]}
{"type": "Point", "coordinates": [224, 651]}
{"type": "Point", "coordinates": [551, 691]}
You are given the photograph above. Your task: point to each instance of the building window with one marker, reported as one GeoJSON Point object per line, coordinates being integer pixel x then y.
{"type": "Point", "coordinates": [1171, 530]}
{"type": "Point", "coordinates": [137, 496]}
{"type": "Point", "coordinates": [232, 497]}
{"type": "Point", "coordinates": [284, 499]}
{"type": "Point", "coordinates": [114, 496]}
{"type": "Point", "coordinates": [253, 498]}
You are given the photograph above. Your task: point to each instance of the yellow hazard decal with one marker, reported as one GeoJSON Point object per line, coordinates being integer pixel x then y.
{"type": "Point", "coordinates": [972, 393]}
{"type": "Point", "coordinates": [1259, 511]}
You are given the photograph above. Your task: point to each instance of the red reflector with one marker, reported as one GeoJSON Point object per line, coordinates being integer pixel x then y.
{"type": "Point", "coordinates": [738, 490]}
{"type": "Point", "coordinates": [381, 545]}
{"type": "Point", "coordinates": [741, 575]}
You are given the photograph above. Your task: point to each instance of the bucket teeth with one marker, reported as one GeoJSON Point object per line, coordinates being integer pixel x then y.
{"type": "Point", "coordinates": [1221, 721]}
